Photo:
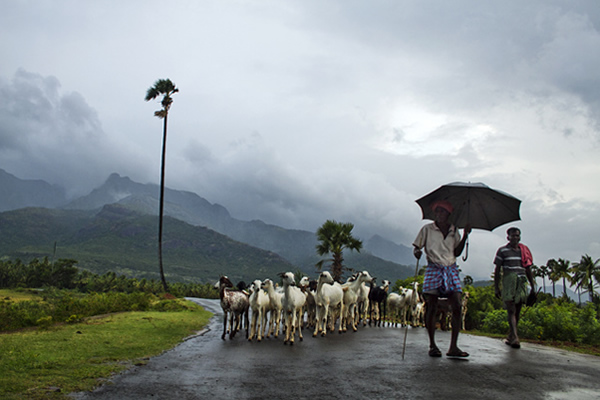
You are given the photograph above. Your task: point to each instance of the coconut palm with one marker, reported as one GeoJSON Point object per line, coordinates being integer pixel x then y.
{"type": "Point", "coordinates": [551, 264]}
{"type": "Point", "coordinates": [562, 270]}
{"type": "Point", "coordinates": [333, 238]}
{"type": "Point", "coordinates": [164, 88]}
{"type": "Point", "coordinates": [544, 272]}
{"type": "Point", "coordinates": [586, 272]}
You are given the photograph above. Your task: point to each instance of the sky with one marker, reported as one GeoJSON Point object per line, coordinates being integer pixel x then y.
{"type": "Point", "coordinates": [298, 111]}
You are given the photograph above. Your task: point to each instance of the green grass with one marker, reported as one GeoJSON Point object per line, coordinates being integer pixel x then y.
{"type": "Point", "coordinates": [19, 294]}
{"type": "Point", "coordinates": [49, 364]}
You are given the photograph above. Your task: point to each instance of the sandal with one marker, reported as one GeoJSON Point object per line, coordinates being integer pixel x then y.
{"type": "Point", "coordinates": [457, 353]}
{"type": "Point", "coordinates": [435, 352]}
{"type": "Point", "coordinates": [515, 345]}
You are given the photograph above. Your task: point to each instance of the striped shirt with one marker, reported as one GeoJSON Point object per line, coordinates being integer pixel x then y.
{"type": "Point", "coordinates": [509, 259]}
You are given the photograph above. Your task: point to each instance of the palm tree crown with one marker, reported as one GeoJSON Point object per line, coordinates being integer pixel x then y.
{"type": "Point", "coordinates": [166, 88]}
{"type": "Point", "coordinates": [333, 238]}
{"type": "Point", "coordinates": [586, 272]}
{"type": "Point", "coordinates": [562, 270]}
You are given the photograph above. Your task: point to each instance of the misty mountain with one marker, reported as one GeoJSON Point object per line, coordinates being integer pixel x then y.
{"type": "Point", "coordinates": [297, 246]}
{"type": "Point", "coordinates": [389, 250]}
{"type": "Point", "coordinates": [18, 193]}
{"type": "Point", "coordinates": [121, 240]}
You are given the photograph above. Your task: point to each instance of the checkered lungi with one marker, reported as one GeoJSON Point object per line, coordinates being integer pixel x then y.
{"type": "Point", "coordinates": [441, 279]}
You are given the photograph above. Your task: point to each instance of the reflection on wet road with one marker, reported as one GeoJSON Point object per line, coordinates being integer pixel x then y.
{"type": "Point", "coordinates": [364, 364]}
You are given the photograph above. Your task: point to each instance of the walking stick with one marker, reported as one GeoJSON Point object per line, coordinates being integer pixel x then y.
{"type": "Point", "coordinates": [410, 305]}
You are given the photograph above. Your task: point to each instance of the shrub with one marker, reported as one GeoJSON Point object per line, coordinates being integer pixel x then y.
{"type": "Point", "coordinates": [495, 321]}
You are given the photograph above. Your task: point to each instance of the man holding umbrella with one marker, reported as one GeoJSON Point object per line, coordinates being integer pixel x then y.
{"type": "Point", "coordinates": [442, 243]}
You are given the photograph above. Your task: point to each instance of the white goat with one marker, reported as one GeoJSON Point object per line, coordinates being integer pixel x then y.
{"type": "Point", "coordinates": [419, 314]}
{"type": "Point", "coordinates": [310, 307]}
{"type": "Point", "coordinates": [362, 303]}
{"type": "Point", "coordinates": [330, 295]}
{"type": "Point", "coordinates": [351, 298]}
{"type": "Point", "coordinates": [275, 298]}
{"type": "Point", "coordinates": [395, 303]}
{"type": "Point", "coordinates": [292, 302]}
{"type": "Point", "coordinates": [260, 305]}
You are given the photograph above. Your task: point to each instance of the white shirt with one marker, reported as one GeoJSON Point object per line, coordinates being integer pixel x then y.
{"type": "Point", "coordinates": [439, 250]}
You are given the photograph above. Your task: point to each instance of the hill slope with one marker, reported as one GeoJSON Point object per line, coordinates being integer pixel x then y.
{"type": "Point", "coordinates": [124, 241]}
{"type": "Point", "coordinates": [297, 246]}
{"type": "Point", "coordinates": [117, 238]}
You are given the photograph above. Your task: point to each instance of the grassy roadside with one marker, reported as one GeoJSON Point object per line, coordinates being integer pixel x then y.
{"type": "Point", "coordinates": [49, 364]}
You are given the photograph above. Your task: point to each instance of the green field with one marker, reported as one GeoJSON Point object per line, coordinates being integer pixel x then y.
{"type": "Point", "coordinates": [50, 363]}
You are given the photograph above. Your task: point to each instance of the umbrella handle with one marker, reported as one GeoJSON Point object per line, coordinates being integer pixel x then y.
{"type": "Point", "coordinates": [464, 258]}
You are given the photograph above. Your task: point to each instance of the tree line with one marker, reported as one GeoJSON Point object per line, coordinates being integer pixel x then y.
{"type": "Point", "coordinates": [584, 275]}
{"type": "Point", "coordinates": [64, 274]}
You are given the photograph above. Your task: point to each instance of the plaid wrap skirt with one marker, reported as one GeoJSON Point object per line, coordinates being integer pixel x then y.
{"type": "Point", "coordinates": [441, 279]}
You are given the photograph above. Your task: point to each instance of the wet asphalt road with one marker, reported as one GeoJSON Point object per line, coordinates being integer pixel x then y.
{"type": "Point", "coordinates": [365, 364]}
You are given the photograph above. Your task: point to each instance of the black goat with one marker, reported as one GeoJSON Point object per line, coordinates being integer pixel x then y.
{"type": "Point", "coordinates": [378, 296]}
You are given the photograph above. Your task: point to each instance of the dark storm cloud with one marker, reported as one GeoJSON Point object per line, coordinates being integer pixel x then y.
{"type": "Point", "coordinates": [53, 136]}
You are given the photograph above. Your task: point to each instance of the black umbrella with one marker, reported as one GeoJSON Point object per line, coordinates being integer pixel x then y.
{"type": "Point", "coordinates": [484, 207]}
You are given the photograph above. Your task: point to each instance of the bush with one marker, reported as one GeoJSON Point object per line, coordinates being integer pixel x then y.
{"type": "Point", "coordinates": [495, 321]}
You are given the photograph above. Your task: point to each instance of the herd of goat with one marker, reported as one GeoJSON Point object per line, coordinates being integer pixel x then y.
{"type": "Point", "coordinates": [265, 309]}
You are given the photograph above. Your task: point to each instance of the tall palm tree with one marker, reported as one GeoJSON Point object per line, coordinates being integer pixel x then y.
{"type": "Point", "coordinates": [544, 272]}
{"type": "Point", "coordinates": [536, 271]}
{"type": "Point", "coordinates": [562, 270]}
{"type": "Point", "coordinates": [551, 264]}
{"type": "Point", "coordinates": [586, 272]}
{"type": "Point", "coordinates": [333, 238]}
{"type": "Point", "coordinates": [164, 88]}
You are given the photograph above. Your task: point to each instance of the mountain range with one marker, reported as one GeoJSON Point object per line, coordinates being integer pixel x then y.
{"type": "Point", "coordinates": [114, 228]}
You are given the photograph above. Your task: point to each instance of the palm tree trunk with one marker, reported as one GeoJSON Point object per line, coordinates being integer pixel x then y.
{"type": "Point", "coordinates": [544, 283]}
{"type": "Point", "coordinates": [162, 206]}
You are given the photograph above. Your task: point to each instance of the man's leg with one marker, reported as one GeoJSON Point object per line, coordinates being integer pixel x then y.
{"type": "Point", "coordinates": [456, 304]}
{"type": "Point", "coordinates": [518, 307]}
{"type": "Point", "coordinates": [511, 309]}
{"type": "Point", "coordinates": [430, 318]}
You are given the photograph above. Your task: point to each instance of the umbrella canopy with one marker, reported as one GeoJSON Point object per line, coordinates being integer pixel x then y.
{"type": "Point", "coordinates": [484, 207]}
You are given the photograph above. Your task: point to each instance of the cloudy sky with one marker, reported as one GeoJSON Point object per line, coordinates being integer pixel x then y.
{"type": "Point", "coordinates": [298, 111]}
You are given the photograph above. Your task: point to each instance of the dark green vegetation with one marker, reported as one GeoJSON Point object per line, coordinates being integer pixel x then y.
{"type": "Point", "coordinates": [550, 319]}
{"type": "Point", "coordinates": [335, 237]}
{"type": "Point", "coordinates": [119, 239]}
{"type": "Point", "coordinates": [63, 293]}
{"type": "Point", "coordinates": [585, 275]}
